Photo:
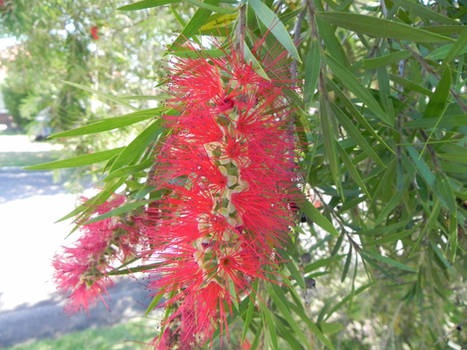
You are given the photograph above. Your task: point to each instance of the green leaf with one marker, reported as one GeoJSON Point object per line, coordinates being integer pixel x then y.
{"type": "Point", "coordinates": [111, 123]}
{"type": "Point", "coordinates": [389, 238]}
{"type": "Point", "coordinates": [282, 304]}
{"type": "Point", "coordinates": [133, 151]}
{"type": "Point", "coordinates": [381, 61]}
{"type": "Point", "coordinates": [439, 98]}
{"type": "Point", "coordinates": [212, 8]}
{"type": "Point", "coordinates": [460, 157]}
{"type": "Point", "coordinates": [214, 53]}
{"type": "Point", "coordinates": [356, 135]}
{"type": "Point", "coordinates": [388, 261]}
{"type": "Point", "coordinates": [460, 47]}
{"type": "Point", "coordinates": [270, 327]}
{"type": "Point", "coordinates": [329, 141]}
{"type": "Point", "coordinates": [441, 256]}
{"type": "Point", "coordinates": [444, 52]}
{"type": "Point", "coordinates": [316, 216]}
{"type": "Point", "coordinates": [353, 172]}
{"type": "Point", "coordinates": [322, 262]}
{"type": "Point", "coordinates": [312, 69]}
{"type": "Point", "coordinates": [381, 28]}
{"type": "Point", "coordinates": [421, 166]}
{"type": "Point", "coordinates": [154, 302]}
{"type": "Point", "coordinates": [425, 12]}
{"type": "Point", "coordinates": [274, 24]}
{"type": "Point", "coordinates": [115, 99]}
{"type": "Point", "coordinates": [331, 328]}
{"type": "Point", "coordinates": [147, 4]}
{"type": "Point", "coordinates": [192, 27]}
{"type": "Point", "coordinates": [126, 171]}
{"type": "Point", "coordinates": [249, 311]}
{"type": "Point", "coordinates": [410, 85]}
{"type": "Point", "coordinates": [78, 161]}
{"type": "Point", "coordinates": [347, 298]}
{"type": "Point", "coordinates": [117, 211]}
{"type": "Point", "coordinates": [448, 121]}
{"type": "Point", "coordinates": [357, 115]}
{"type": "Point", "coordinates": [350, 82]}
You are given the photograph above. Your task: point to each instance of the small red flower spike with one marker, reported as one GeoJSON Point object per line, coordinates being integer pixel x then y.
{"type": "Point", "coordinates": [94, 32]}
{"type": "Point", "coordinates": [81, 271]}
{"type": "Point", "coordinates": [228, 168]}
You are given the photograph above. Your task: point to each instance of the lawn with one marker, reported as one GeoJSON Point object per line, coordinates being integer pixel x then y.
{"type": "Point", "coordinates": [134, 335]}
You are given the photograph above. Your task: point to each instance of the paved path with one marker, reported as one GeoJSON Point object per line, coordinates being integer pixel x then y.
{"type": "Point", "coordinates": [30, 203]}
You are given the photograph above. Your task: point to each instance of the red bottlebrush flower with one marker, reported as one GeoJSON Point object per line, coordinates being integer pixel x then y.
{"type": "Point", "coordinates": [94, 32]}
{"type": "Point", "coordinates": [228, 168]}
{"type": "Point", "coordinates": [82, 270]}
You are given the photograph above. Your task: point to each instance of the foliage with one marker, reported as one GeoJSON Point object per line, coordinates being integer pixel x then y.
{"type": "Point", "coordinates": [381, 120]}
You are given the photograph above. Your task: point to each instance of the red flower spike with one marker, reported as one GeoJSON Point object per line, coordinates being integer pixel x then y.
{"type": "Point", "coordinates": [229, 170]}
{"type": "Point", "coordinates": [81, 271]}
{"type": "Point", "coordinates": [94, 32]}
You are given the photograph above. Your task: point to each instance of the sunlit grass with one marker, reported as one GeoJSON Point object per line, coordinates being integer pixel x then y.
{"type": "Point", "coordinates": [135, 335]}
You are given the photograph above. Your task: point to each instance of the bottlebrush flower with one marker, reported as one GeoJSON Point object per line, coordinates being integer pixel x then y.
{"type": "Point", "coordinates": [94, 32]}
{"type": "Point", "coordinates": [82, 270]}
{"type": "Point", "coordinates": [228, 168]}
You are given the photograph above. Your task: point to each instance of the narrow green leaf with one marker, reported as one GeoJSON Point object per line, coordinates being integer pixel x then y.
{"type": "Point", "coordinates": [356, 135]}
{"type": "Point", "coordinates": [111, 123]}
{"type": "Point", "coordinates": [117, 211]}
{"type": "Point", "coordinates": [460, 157]}
{"type": "Point", "coordinates": [192, 27]}
{"type": "Point", "coordinates": [274, 24]}
{"type": "Point", "coordinates": [214, 53]}
{"type": "Point", "coordinates": [100, 94]}
{"type": "Point", "coordinates": [146, 4]}
{"type": "Point", "coordinates": [381, 28]}
{"type": "Point", "coordinates": [282, 304]}
{"type": "Point", "coordinates": [425, 12]}
{"type": "Point", "coordinates": [381, 61]}
{"type": "Point", "coordinates": [460, 47]}
{"type": "Point", "coordinates": [78, 161]}
{"type": "Point", "coordinates": [410, 85]}
{"type": "Point", "coordinates": [347, 264]}
{"type": "Point", "coordinates": [350, 81]}
{"type": "Point", "coordinates": [212, 8]}
{"type": "Point", "coordinates": [441, 256]}
{"type": "Point", "coordinates": [249, 57]}
{"type": "Point", "coordinates": [317, 217]}
{"type": "Point", "coordinates": [329, 138]}
{"type": "Point", "coordinates": [421, 166]}
{"type": "Point", "coordinates": [448, 121]}
{"type": "Point", "coordinates": [449, 51]}
{"type": "Point", "coordinates": [386, 260]}
{"type": "Point", "coordinates": [312, 69]}
{"type": "Point", "coordinates": [322, 262]}
{"type": "Point", "coordinates": [357, 115]}
{"type": "Point", "coordinates": [389, 238]}
{"type": "Point", "coordinates": [348, 298]}
{"type": "Point", "coordinates": [133, 151]}
{"type": "Point", "coordinates": [126, 171]}
{"type": "Point", "coordinates": [271, 328]}
{"type": "Point", "coordinates": [439, 99]}
{"type": "Point", "coordinates": [154, 302]}
{"type": "Point", "coordinates": [353, 172]}
{"type": "Point", "coordinates": [331, 328]}
{"type": "Point", "coordinates": [249, 312]}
